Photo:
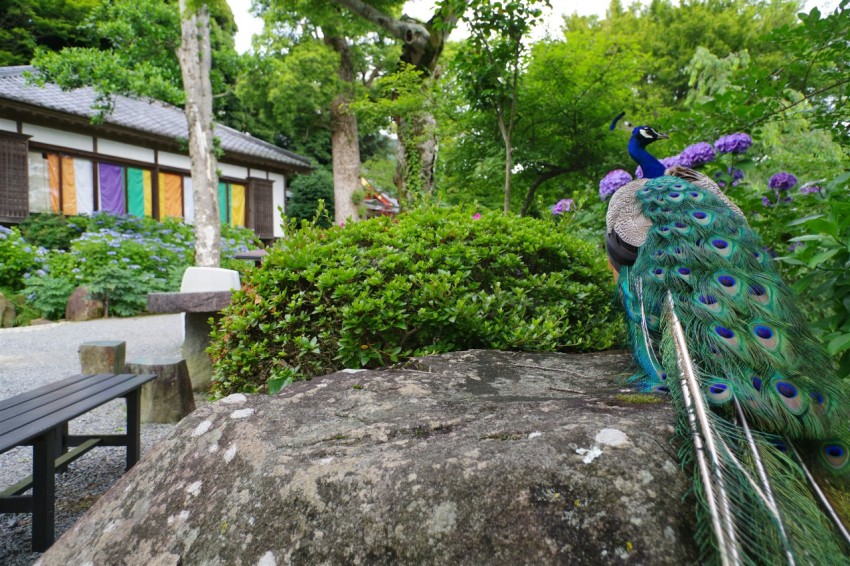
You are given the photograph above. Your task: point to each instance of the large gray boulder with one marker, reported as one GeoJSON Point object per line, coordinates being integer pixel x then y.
{"type": "Point", "coordinates": [475, 457]}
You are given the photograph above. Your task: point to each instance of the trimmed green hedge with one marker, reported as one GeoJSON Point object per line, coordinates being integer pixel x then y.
{"type": "Point", "coordinates": [430, 281]}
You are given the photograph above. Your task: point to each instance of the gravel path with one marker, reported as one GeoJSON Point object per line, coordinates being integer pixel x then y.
{"type": "Point", "coordinates": [36, 355]}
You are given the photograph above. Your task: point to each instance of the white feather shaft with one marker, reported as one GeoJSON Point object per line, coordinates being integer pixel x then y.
{"type": "Point", "coordinates": [712, 478]}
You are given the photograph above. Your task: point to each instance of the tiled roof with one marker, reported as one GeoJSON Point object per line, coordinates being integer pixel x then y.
{"type": "Point", "coordinates": [148, 116]}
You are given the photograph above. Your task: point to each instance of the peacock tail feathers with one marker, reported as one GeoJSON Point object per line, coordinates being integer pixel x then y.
{"type": "Point", "coordinates": [755, 364]}
{"type": "Point", "coordinates": [748, 337]}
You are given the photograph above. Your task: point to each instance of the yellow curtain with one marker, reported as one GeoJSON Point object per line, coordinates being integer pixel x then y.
{"type": "Point", "coordinates": [170, 195]}
{"type": "Point", "coordinates": [53, 180]}
{"type": "Point", "coordinates": [69, 190]}
{"type": "Point", "coordinates": [146, 183]}
{"type": "Point", "coordinates": [237, 205]}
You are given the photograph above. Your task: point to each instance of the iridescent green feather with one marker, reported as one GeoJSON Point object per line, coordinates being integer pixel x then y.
{"type": "Point", "coordinates": [751, 345]}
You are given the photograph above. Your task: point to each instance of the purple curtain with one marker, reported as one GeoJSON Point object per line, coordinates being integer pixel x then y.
{"type": "Point", "coordinates": [111, 188]}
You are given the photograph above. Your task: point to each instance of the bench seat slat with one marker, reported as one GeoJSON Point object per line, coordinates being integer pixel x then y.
{"type": "Point", "coordinates": [77, 388]}
{"type": "Point", "coordinates": [60, 413]}
{"type": "Point", "coordinates": [79, 392]}
{"type": "Point", "coordinates": [35, 393]}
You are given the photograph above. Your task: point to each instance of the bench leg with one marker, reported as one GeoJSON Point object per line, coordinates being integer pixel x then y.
{"type": "Point", "coordinates": [134, 428]}
{"type": "Point", "coordinates": [62, 445]}
{"type": "Point", "coordinates": [43, 490]}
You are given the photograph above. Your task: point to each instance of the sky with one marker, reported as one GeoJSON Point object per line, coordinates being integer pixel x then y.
{"type": "Point", "coordinates": [422, 9]}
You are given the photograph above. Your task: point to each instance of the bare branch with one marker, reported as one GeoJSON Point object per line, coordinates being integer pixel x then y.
{"type": "Point", "coordinates": [408, 32]}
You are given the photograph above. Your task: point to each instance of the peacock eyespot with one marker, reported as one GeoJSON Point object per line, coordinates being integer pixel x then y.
{"type": "Point", "coordinates": [664, 229]}
{"type": "Point", "coordinates": [684, 271]}
{"type": "Point", "coordinates": [720, 244]}
{"type": "Point", "coordinates": [707, 299]}
{"type": "Point", "coordinates": [817, 397]}
{"type": "Point", "coordinates": [658, 271]}
{"type": "Point", "coordinates": [786, 389]}
{"type": "Point", "coordinates": [663, 376]}
{"type": "Point", "coordinates": [675, 195]}
{"type": "Point", "coordinates": [694, 194]}
{"type": "Point", "coordinates": [757, 383]}
{"type": "Point", "coordinates": [724, 332]}
{"type": "Point", "coordinates": [718, 388]}
{"type": "Point", "coordinates": [659, 253]}
{"type": "Point", "coordinates": [763, 331]}
{"type": "Point", "coordinates": [680, 225]}
{"type": "Point", "coordinates": [757, 290]}
{"type": "Point", "coordinates": [699, 215]}
{"type": "Point", "coordinates": [834, 450]}
{"type": "Point", "coordinates": [727, 280]}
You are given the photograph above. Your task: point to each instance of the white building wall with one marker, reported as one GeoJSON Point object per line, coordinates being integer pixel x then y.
{"type": "Point", "coordinates": [8, 125]}
{"type": "Point", "coordinates": [126, 151]}
{"type": "Point", "coordinates": [175, 160]}
{"type": "Point", "coordinates": [234, 171]}
{"type": "Point", "coordinates": [61, 138]}
{"type": "Point", "coordinates": [278, 188]}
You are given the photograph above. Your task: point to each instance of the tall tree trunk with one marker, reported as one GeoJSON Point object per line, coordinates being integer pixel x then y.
{"type": "Point", "coordinates": [345, 143]}
{"type": "Point", "coordinates": [194, 54]}
{"type": "Point", "coordinates": [506, 138]}
{"type": "Point", "coordinates": [422, 46]}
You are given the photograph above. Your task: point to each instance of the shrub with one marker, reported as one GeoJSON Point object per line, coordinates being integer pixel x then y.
{"type": "Point", "coordinates": [53, 231]}
{"type": "Point", "coordinates": [429, 281]}
{"type": "Point", "coordinates": [307, 191]}
{"type": "Point", "coordinates": [17, 258]}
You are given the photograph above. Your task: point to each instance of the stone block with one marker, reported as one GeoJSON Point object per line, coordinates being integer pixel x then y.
{"type": "Point", "coordinates": [7, 312]}
{"type": "Point", "coordinates": [196, 340]}
{"type": "Point", "coordinates": [102, 357]}
{"type": "Point", "coordinates": [168, 398]}
{"type": "Point", "coordinates": [209, 279]}
{"type": "Point", "coordinates": [82, 307]}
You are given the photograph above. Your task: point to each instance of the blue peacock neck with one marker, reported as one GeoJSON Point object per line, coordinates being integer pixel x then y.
{"type": "Point", "coordinates": [650, 166]}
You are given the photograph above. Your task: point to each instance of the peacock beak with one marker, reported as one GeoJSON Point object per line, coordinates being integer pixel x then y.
{"type": "Point", "coordinates": [662, 136]}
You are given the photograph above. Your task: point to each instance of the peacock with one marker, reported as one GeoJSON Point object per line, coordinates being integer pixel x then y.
{"type": "Point", "coordinates": [764, 419]}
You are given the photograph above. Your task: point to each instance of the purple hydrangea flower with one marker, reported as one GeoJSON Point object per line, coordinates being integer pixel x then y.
{"type": "Point", "coordinates": [562, 206]}
{"type": "Point", "coordinates": [766, 202]}
{"type": "Point", "coordinates": [736, 174]}
{"type": "Point", "coordinates": [613, 181]}
{"type": "Point", "coordinates": [734, 143]}
{"type": "Point", "coordinates": [782, 181]}
{"type": "Point", "coordinates": [697, 154]}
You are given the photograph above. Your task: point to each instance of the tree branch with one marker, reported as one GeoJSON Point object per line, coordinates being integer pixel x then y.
{"type": "Point", "coordinates": [408, 32]}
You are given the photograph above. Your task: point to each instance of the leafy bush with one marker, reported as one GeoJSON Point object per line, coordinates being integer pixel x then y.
{"type": "Point", "coordinates": [17, 258]}
{"type": "Point", "coordinates": [53, 231]}
{"type": "Point", "coordinates": [121, 259]}
{"type": "Point", "coordinates": [432, 280]}
{"type": "Point", "coordinates": [307, 191]}
{"type": "Point", "coordinates": [823, 255]}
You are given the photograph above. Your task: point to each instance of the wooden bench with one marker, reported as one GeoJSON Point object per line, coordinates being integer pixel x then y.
{"type": "Point", "coordinates": [40, 419]}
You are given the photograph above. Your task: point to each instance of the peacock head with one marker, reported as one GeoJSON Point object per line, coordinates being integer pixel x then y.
{"type": "Point", "coordinates": [645, 135]}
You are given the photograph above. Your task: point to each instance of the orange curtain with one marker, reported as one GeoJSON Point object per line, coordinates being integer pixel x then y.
{"type": "Point", "coordinates": [170, 195]}
{"type": "Point", "coordinates": [69, 189]}
{"type": "Point", "coordinates": [53, 180]}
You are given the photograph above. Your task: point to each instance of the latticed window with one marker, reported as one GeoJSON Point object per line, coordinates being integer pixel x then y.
{"type": "Point", "coordinates": [14, 185]}
{"type": "Point", "coordinates": [261, 208]}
